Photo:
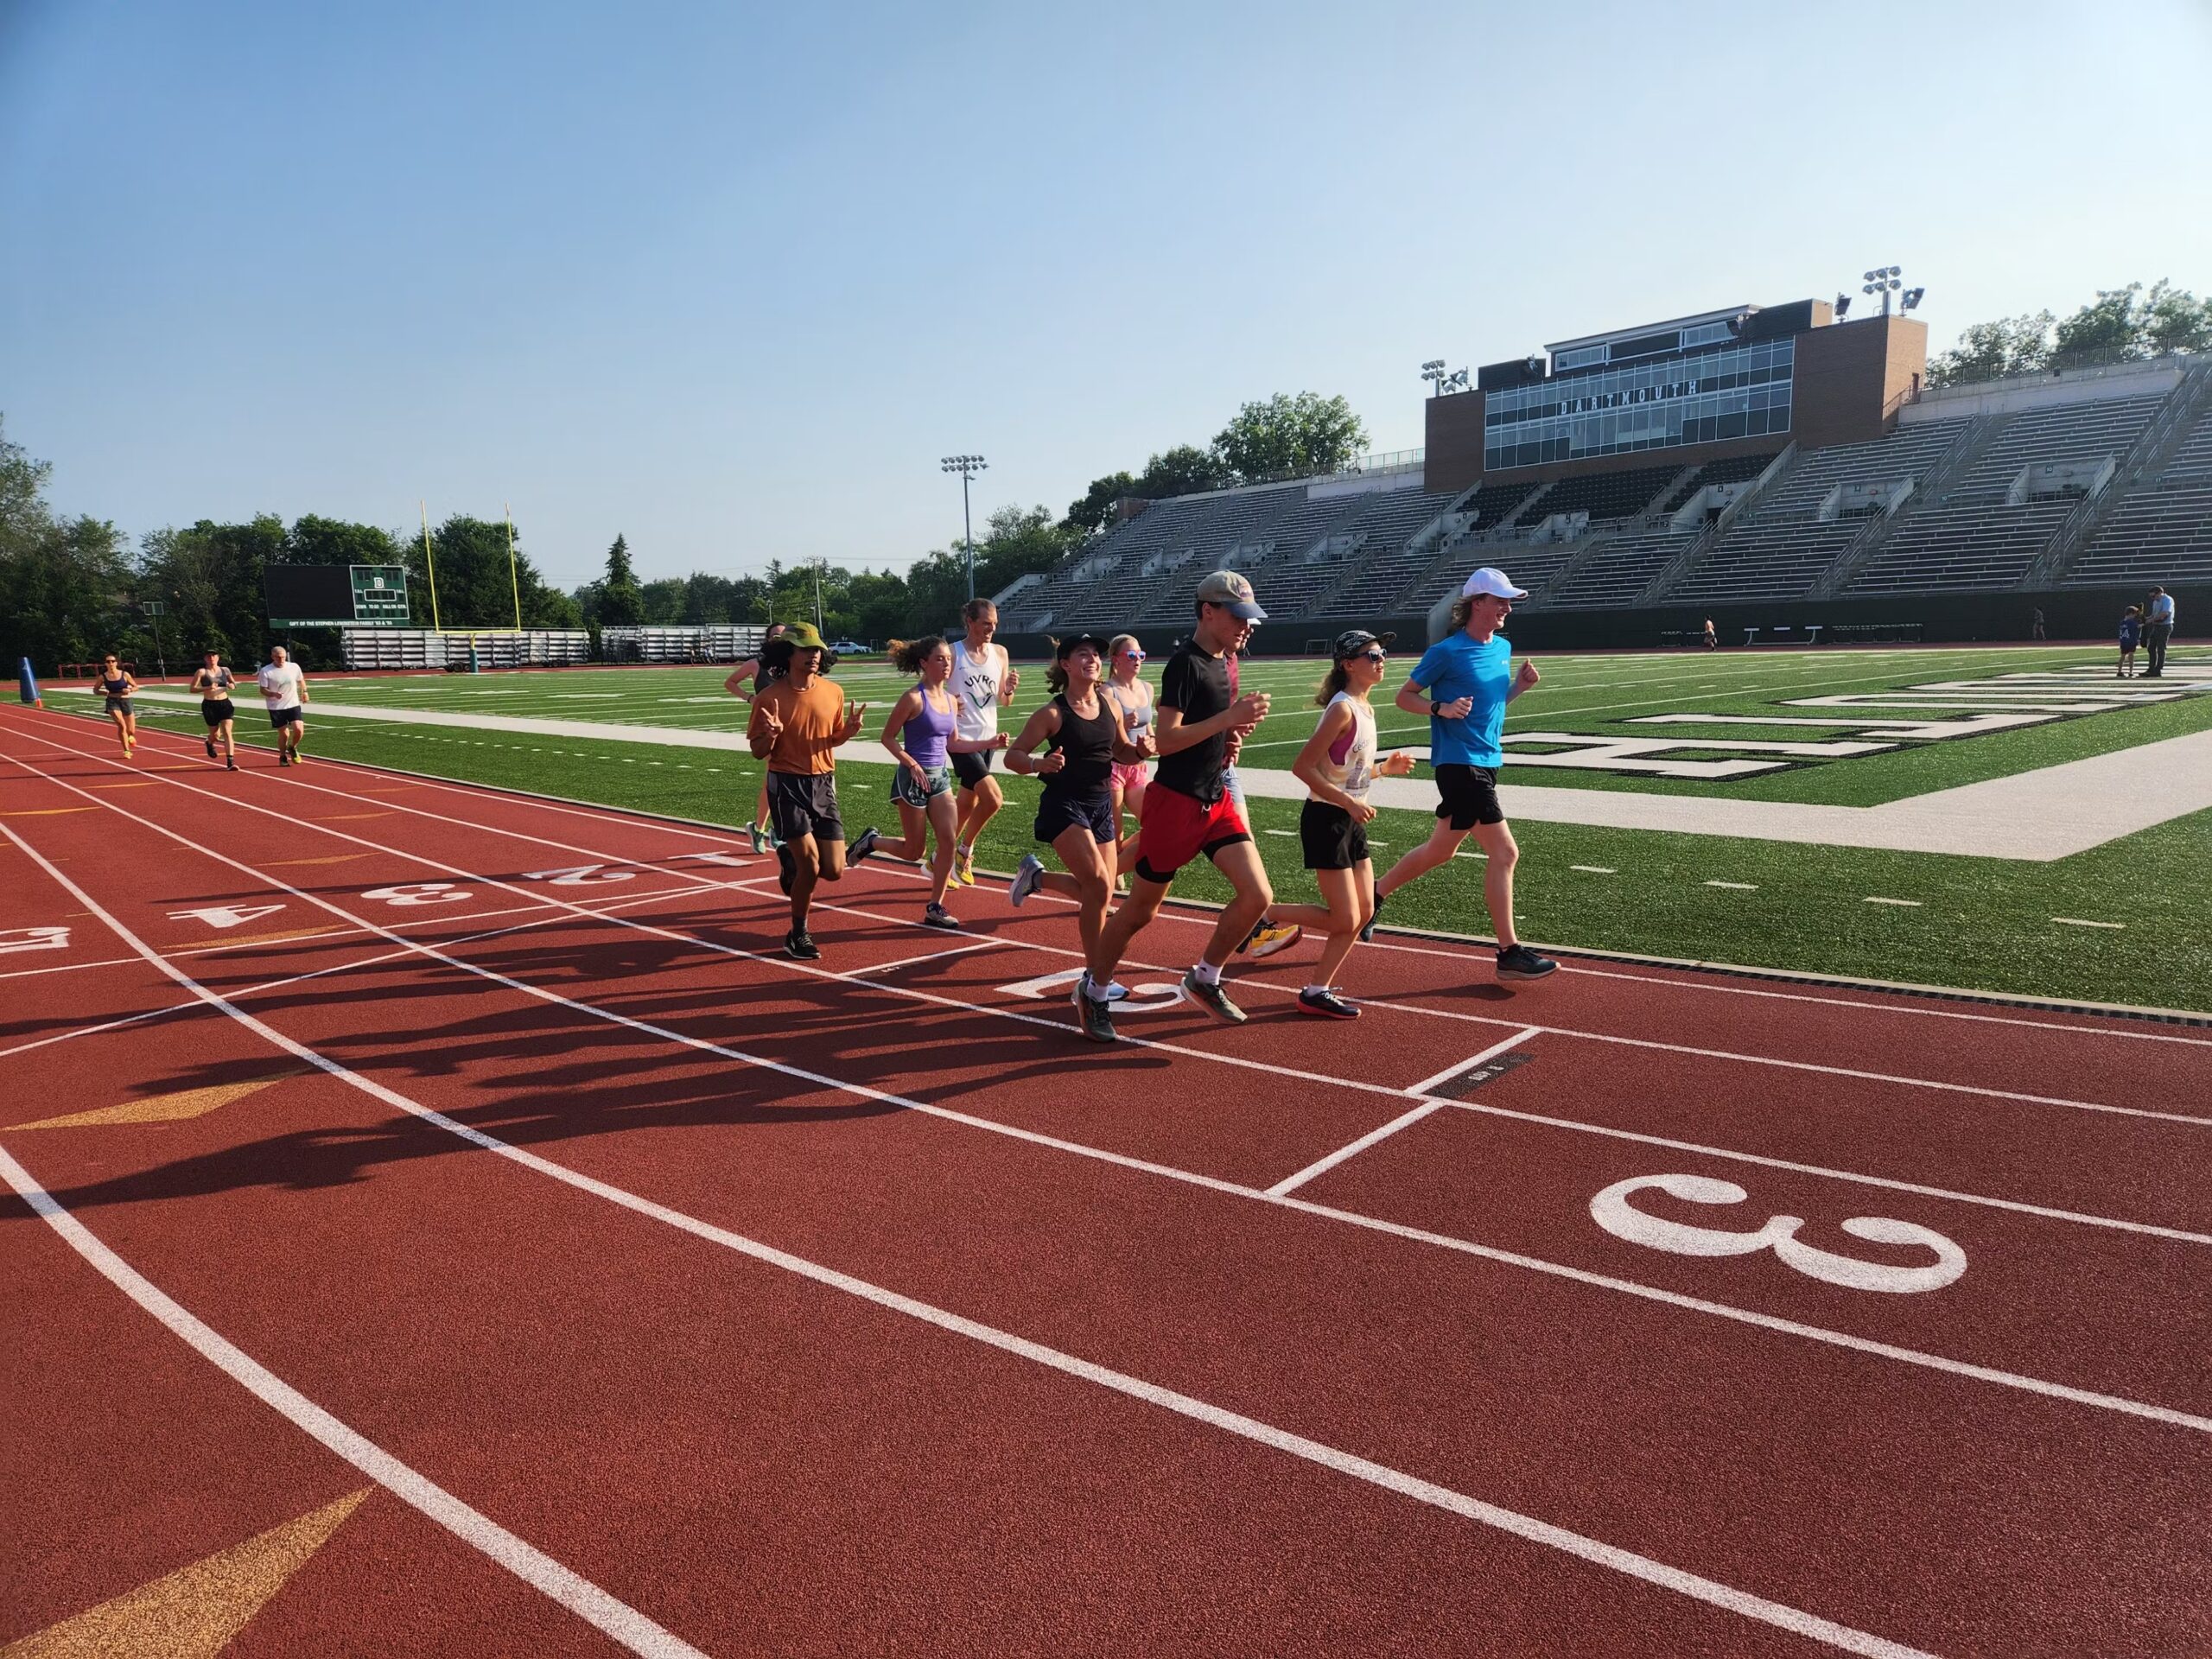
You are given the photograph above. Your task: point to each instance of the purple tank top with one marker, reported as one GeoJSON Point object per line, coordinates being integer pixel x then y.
{"type": "Point", "coordinates": [926, 733]}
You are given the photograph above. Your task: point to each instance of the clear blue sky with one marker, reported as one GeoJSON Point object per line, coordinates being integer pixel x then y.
{"type": "Point", "coordinates": [730, 280]}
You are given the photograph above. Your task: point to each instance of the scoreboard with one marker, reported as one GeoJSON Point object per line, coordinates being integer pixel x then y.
{"type": "Point", "coordinates": [336, 595]}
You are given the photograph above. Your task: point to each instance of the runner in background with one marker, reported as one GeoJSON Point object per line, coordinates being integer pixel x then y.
{"type": "Point", "coordinates": [983, 679]}
{"type": "Point", "coordinates": [747, 682]}
{"type": "Point", "coordinates": [1085, 735]}
{"type": "Point", "coordinates": [1462, 684]}
{"type": "Point", "coordinates": [1187, 812]}
{"type": "Point", "coordinates": [116, 684]}
{"type": "Point", "coordinates": [217, 712]}
{"type": "Point", "coordinates": [920, 735]}
{"type": "Point", "coordinates": [1125, 685]}
{"type": "Point", "coordinates": [284, 689]}
{"type": "Point", "coordinates": [796, 725]}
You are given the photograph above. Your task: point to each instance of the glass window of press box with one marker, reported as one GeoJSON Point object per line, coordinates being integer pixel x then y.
{"type": "Point", "coordinates": [1742, 391]}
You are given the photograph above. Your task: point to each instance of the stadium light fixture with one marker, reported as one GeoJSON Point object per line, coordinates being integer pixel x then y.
{"type": "Point", "coordinates": [1432, 372]}
{"type": "Point", "coordinates": [1910, 300]}
{"type": "Point", "coordinates": [1884, 280]}
{"type": "Point", "coordinates": [967, 467]}
{"type": "Point", "coordinates": [1842, 305]}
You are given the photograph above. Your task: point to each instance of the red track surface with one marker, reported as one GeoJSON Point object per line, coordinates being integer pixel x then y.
{"type": "Point", "coordinates": [681, 1295]}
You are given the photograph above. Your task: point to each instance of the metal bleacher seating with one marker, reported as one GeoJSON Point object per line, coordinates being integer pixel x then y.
{"type": "Point", "coordinates": [1780, 548]}
{"type": "Point", "coordinates": [1972, 538]}
{"type": "Point", "coordinates": [1621, 563]}
{"type": "Point", "coordinates": [2162, 532]}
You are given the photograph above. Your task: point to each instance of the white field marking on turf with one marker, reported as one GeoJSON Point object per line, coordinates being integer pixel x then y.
{"type": "Point", "coordinates": [1594, 869]}
{"type": "Point", "coordinates": [1323, 1166]}
{"type": "Point", "coordinates": [618, 816]}
{"type": "Point", "coordinates": [635, 1630]}
{"type": "Point", "coordinates": [2075, 921]}
{"type": "Point", "coordinates": [1908, 904]}
{"type": "Point", "coordinates": [611, 1617]}
{"type": "Point", "coordinates": [1736, 886]}
{"type": "Point", "coordinates": [1674, 1299]}
{"type": "Point", "coordinates": [926, 955]}
{"type": "Point", "coordinates": [1474, 1060]}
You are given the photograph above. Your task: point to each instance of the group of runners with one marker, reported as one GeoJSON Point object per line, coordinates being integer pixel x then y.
{"type": "Point", "coordinates": [1090, 744]}
{"type": "Point", "coordinates": [283, 688]}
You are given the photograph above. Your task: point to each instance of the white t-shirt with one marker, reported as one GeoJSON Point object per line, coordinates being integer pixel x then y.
{"type": "Point", "coordinates": [281, 685]}
{"type": "Point", "coordinates": [976, 682]}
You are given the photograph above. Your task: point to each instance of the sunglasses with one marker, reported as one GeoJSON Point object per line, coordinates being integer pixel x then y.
{"type": "Point", "coordinates": [1375, 656]}
{"type": "Point", "coordinates": [1133, 656]}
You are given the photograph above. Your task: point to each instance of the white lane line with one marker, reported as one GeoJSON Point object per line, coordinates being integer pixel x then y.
{"type": "Point", "coordinates": [1594, 869]}
{"type": "Point", "coordinates": [1474, 1060]}
{"type": "Point", "coordinates": [927, 955]}
{"type": "Point", "coordinates": [1744, 1316]}
{"type": "Point", "coordinates": [2075, 921]}
{"type": "Point", "coordinates": [1322, 1166]}
{"type": "Point", "coordinates": [606, 1613]}
{"type": "Point", "coordinates": [1905, 904]}
{"type": "Point", "coordinates": [612, 1617]}
{"type": "Point", "coordinates": [620, 817]}
{"type": "Point", "coordinates": [1738, 887]}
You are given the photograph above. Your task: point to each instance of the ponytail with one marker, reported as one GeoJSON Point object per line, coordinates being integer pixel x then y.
{"type": "Point", "coordinates": [907, 656]}
{"type": "Point", "coordinates": [1055, 671]}
{"type": "Point", "coordinates": [1333, 682]}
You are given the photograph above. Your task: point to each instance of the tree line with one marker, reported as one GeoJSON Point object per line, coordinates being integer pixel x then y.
{"type": "Point", "coordinates": [71, 589]}
{"type": "Point", "coordinates": [2121, 325]}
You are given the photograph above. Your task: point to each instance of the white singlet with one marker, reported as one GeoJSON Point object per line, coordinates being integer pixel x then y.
{"type": "Point", "coordinates": [976, 682]}
{"type": "Point", "coordinates": [1349, 763]}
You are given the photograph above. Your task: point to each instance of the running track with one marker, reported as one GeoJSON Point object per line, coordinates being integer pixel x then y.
{"type": "Point", "coordinates": [664, 1294]}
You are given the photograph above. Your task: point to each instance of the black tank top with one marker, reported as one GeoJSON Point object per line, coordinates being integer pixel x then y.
{"type": "Point", "coordinates": [114, 688]}
{"type": "Point", "coordinates": [1089, 745]}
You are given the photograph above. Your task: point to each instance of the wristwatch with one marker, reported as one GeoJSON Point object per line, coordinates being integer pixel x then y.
{"type": "Point", "coordinates": [1435, 707]}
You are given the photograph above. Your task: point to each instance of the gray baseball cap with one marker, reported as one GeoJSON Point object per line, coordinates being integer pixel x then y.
{"type": "Point", "coordinates": [1228, 587]}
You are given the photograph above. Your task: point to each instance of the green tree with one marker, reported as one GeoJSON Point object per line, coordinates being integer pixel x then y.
{"type": "Point", "coordinates": [1287, 437]}
{"type": "Point", "coordinates": [1089, 515]}
{"type": "Point", "coordinates": [620, 604]}
{"type": "Point", "coordinates": [314, 539]}
{"type": "Point", "coordinates": [1990, 351]}
{"type": "Point", "coordinates": [2174, 320]}
{"type": "Point", "coordinates": [212, 578]}
{"type": "Point", "coordinates": [475, 587]}
{"type": "Point", "coordinates": [2106, 330]}
{"type": "Point", "coordinates": [1184, 470]}
{"type": "Point", "coordinates": [664, 601]}
{"type": "Point", "coordinates": [64, 582]}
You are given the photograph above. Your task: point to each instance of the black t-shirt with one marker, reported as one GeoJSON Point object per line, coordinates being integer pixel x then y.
{"type": "Point", "coordinates": [1198, 687]}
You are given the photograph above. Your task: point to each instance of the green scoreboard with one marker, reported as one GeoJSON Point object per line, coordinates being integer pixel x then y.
{"type": "Point", "coordinates": [336, 595]}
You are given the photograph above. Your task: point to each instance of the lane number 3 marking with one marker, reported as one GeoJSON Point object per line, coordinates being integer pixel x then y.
{"type": "Point", "coordinates": [1611, 1211]}
{"type": "Point", "coordinates": [419, 892]}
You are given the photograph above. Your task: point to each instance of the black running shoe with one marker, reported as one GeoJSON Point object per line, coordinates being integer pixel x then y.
{"type": "Point", "coordinates": [1368, 932]}
{"type": "Point", "coordinates": [231, 764]}
{"type": "Point", "coordinates": [1517, 964]}
{"type": "Point", "coordinates": [1212, 999]}
{"type": "Point", "coordinates": [1327, 1004]}
{"type": "Point", "coordinates": [1097, 1018]}
{"type": "Point", "coordinates": [862, 848]}
{"type": "Point", "coordinates": [800, 945]}
{"type": "Point", "coordinates": [938, 917]}
{"type": "Point", "coordinates": [283, 758]}
{"type": "Point", "coordinates": [211, 748]}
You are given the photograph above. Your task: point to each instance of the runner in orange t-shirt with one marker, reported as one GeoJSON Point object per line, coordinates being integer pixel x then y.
{"type": "Point", "coordinates": [798, 724]}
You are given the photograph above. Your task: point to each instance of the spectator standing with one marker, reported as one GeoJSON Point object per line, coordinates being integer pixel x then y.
{"type": "Point", "coordinates": [2035, 624]}
{"type": "Point", "coordinates": [2157, 629]}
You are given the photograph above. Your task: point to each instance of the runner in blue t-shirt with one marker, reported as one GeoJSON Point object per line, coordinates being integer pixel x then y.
{"type": "Point", "coordinates": [1463, 684]}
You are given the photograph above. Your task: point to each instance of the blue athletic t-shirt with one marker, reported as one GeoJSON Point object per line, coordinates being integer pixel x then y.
{"type": "Point", "coordinates": [1456, 667]}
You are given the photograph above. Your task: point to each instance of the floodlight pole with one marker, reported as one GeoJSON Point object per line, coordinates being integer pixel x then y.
{"type": "Point", "coordinates": [967, 467]}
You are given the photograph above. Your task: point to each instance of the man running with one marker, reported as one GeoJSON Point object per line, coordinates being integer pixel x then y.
{"type": "Point", "coordinates": [747, 682]}
{"type": "Point", "coordinates": [284, 687]}
{"type": "Point", "coordinates": [983, 679]}
{"type": "Point", "coordinates": [217, 712]}
{"type": "Point", "coordinates": [796, 725]}
{"type": "Point", "coordinates": [1187, 810]}
{"type": "Point", "coordinates": [1462, 684]}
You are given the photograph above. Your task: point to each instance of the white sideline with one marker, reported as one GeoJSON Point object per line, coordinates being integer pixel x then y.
{"type": "Point", "coordinates": [2051, 813]}
{"type": "Point", "coordinates": [614, 1618]}
{"type": "Point", "coordinates": [1935, 1362]}
{"type": "Point", "coordinates": [605, 1613]}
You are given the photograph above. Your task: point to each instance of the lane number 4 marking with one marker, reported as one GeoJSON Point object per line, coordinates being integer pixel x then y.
{"type": "Point", "coordinates": [1611, 1211]}
{"type": "Point", "coordinates": [584, 876]}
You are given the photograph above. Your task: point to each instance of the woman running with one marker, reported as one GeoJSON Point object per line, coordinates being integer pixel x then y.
{"type": "Point", "coordinates": [217, 712]}
{"type": "Point", "coordinates": [1083, 735]}
{"type": "Point", "coordinates": [116, 684]}
{"type": "Point", "coordinates": [747, 682]}
{"type": "Point", "coordinates": [1134, 697]}
{"type": "Point", "coordinates": [920, 734]}
{"type": "Point", "coordinates": [1336, 766]}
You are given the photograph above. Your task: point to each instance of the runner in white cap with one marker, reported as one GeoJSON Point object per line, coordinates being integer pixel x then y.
{"type": "Point", "coordinates": [1462, 684]}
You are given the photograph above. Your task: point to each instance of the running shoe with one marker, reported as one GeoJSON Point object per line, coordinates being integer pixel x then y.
{"type": "Point", "coordinates": [800, 945]}
{"type": "Point", "coordinates": [211, 748]}
{"type": "Point", "coordinates": [1326, 1002]}
{"type": "Point", "coordinates": [1517, 964]}
{"type": "Point", "coordinates": [231, 764]}
{"type": "Point", "coordinates": [753, 834]}
{"type": "Point", "coordinates": [298, 760]}
{"type": "Point", "coordinates": [862, 848]}
{"type": "Point", "coordinates": [1266, 938]}
{"type": "Point", "coordinates": [963, 866]}
{"type": "Point", "coordinates": [1214, 999]}
{"type": "Point", "coordinates": [1025, 878]}
{"type": "Point", "coordinates": [938, 917]}
{"type": "Point", "coordinates": [1367, 933]}
{"type": "Point", "coordinates": [283, 758]}
{"type": "Point", "coordinates": [1097, 1020]}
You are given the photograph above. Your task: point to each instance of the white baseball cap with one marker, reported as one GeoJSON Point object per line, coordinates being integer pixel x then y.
{"type": "Point", "coordinates": [1490, 580]}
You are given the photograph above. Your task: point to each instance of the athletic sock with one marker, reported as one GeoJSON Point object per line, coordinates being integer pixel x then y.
{"type": "Point", "coordinates": [1313, 990]}
{"type": "Point", "coordinates": [1207, 974]}
{"type": "Point", "coordinates": [1093, 989]}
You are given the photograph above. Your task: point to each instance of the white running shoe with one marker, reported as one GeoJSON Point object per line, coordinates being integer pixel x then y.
{"type": "Point", "coordinates": [1027, 878]}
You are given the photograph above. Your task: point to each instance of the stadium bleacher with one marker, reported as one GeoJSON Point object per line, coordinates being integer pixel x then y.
{"type": "Point", "coordinates": [2162, 533]}
{"type": "Point", "coordinates": [1616, 569]}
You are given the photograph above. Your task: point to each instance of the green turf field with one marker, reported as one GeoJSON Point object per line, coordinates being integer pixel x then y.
{"type": "Point", "coordinates": [1976, 923]}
